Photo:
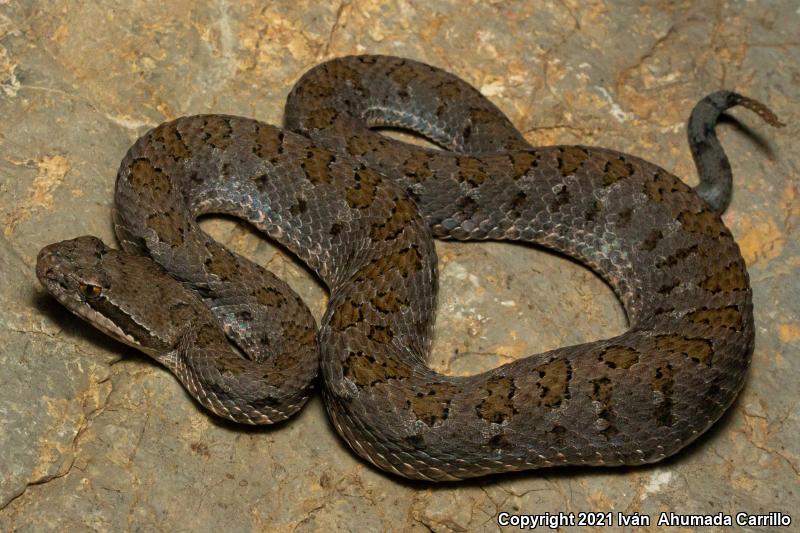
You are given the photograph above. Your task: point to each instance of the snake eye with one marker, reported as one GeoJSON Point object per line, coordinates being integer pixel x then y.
{"type": "Point", "coordinates": [90, 291]}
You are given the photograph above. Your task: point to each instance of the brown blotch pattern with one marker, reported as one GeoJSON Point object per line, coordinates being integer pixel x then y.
{"type": "Point", "coordinates": [321, 118]}
{"type": "Point", "coordinates": [359, 145]}
{"type": "Point", "coordinates": [317, 91]}
{"type": "Point", "coordinates": [168, 225]}
{"type": "Point", "coordinates": [417, 167]}
{"type": "Point", "coordinates": [348, 314]}
{"type": "Point", "coordinates": [403, 73]}
{"type": "Point", "coordinates": [148, 180]}
{"type": "Point", "coordinates": [725, 317]}
{"type": "Point", "coordinates": [432, 405]}
{"type": "Point", "coordinates": [362, 193]}
{"type": "Point", "coordinates": [498, 405]}
{"type": "Point", "coordinates": [704, 222]}
{"type": "Point", "coordinates": [406, 261]}
{"type": "Point", "coordinates": [402, 212]}
{"type": "Point", "coordinates": [301, 335]}
{"type": "Point", "coordinates": [449, 90]}
{"type": "Point", "coordinates": [380, 334]}
{"type": "Point", "coordinates": [341, 71]}
{"type": "Point", "coordinates": [498, 441]}
{"type": "Point", "coordinates": [217, 131]}
{"type": "Point", "coordinates": [207, 336]}
{"type": "Point", "coordinates": [388, 302]}
{"type": "Point", "coordinates": [268, 142]}
{"type": "Point", "coordinates": [365, 370]}
{"type": "Point", "coordinates": [471, 171]}
{"type": "Point", "coordinates": [615, 170]}
{"type": "Point", "coordinates": [731, 278]}
{"type": "Point", "coordinates": [571, 159]}
{"type": "Point", "coordinates": [269, 297]}
{"type": "Point", "coordinates": [221, 262]}
{"type": "Point", "coordinates": [697, 349]}
{"type": "Point", "coordinates": [662, 185]}
{"type": "Point", "coordinates": [523, 162]}
{"type": "Point", "coordinates": [316, 165]}
{"type": "Point", "coordinates": [553, 384]}
{"type": "Point", "coordinates": [619, 357]}
{"type": "Point", "coordinates": [481, 116]}
{"type": "Point", "coordinates": [170, 138]}
{"type": "Point", "coordinates": [678, 256]}
{"type": "Point", "coordinates": [182, 312]}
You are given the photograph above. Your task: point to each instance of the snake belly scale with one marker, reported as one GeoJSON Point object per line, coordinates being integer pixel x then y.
{"type": "Point", "coordinates": [360, 210]}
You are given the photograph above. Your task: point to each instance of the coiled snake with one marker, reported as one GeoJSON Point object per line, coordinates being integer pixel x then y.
{"type": "Point", "coordinates": [360, 209]}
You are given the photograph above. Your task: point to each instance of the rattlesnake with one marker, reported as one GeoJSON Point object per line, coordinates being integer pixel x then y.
{"type": "Point", "coordinates": [360, 210]}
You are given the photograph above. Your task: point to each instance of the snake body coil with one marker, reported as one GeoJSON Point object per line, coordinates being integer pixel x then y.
{"type": "Point", "coordinates": [360, 210]}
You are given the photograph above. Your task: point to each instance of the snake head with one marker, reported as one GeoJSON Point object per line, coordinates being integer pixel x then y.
{"type": "Point", "coordinates": [115, 292]}
{"type": "Point", "coordinates": [72, 270]}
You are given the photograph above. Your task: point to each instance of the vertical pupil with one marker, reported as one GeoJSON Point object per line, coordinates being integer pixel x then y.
{"type": "Point", "coordinates": [90, 290]}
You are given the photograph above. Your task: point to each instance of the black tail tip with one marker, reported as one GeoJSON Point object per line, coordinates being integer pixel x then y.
{"type": "Point", "coordinates": [723, 100]}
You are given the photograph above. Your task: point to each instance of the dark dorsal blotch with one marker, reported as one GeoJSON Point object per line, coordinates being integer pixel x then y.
{"type": "Point", "coordinates": [148, 180]}
{"type": "Point", "coordinates": [471, 171]}
{"type": "Point", "coordinates": [268, 142]}
{"type": "Point", "coordinates": [571, 158]}
{"type": "Point", "coordinates": [697, 349]}
{"type": "Point", "coordinates": [498, 404]}
{"type": "Point", "coordinates": [732, 277]}
{"type": "Point", "coordinates": [316, 165]}
{"type": "Point", "coordinates": [221, 262]}
{"type": "Point", "coordinates": [361, 193]}
{"type": "Point", "coordinates": [217, 131]}
{"type": "Point", "coordinates": [388, 302]}
{"type": "Point", "coordinates": [270, 297]}
{"type": "Point", "coordinates": [432, 404]}
{"type": "Point", "coordinates": [322, 118]}
{"type": "Point", "coordinates": [347, 314]}
{"type": "Point", "coordinates": [553, 383]}
{"type": "Point", "coordinates": [169, 225]}
{"type": "Point", "coordinates": [619, 357]}
{"type": "Point", "coordinates": [725, 317]}
{"type": "Point", "coordinates": [704, 222]}
{"type": "Point", "coordinates": [403, 73]}
{"type": "Point", "coordinates": [616, 169]}
{"type": "Point", "coordinates": [170, 139]}
{"type": "Point", "coordinates": [417, 168]}
{"type": "Point", "coordinates": [360, 145]}
{"type": "Point", "coordinates": [402, 213]}
{"type": "Point", "coordinates": [523, 162]}
{"type": "Point", "coordinates": [368, 370]}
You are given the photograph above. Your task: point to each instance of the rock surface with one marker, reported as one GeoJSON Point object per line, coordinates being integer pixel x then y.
{"type": "Point", "coordinates": [96, 436]}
